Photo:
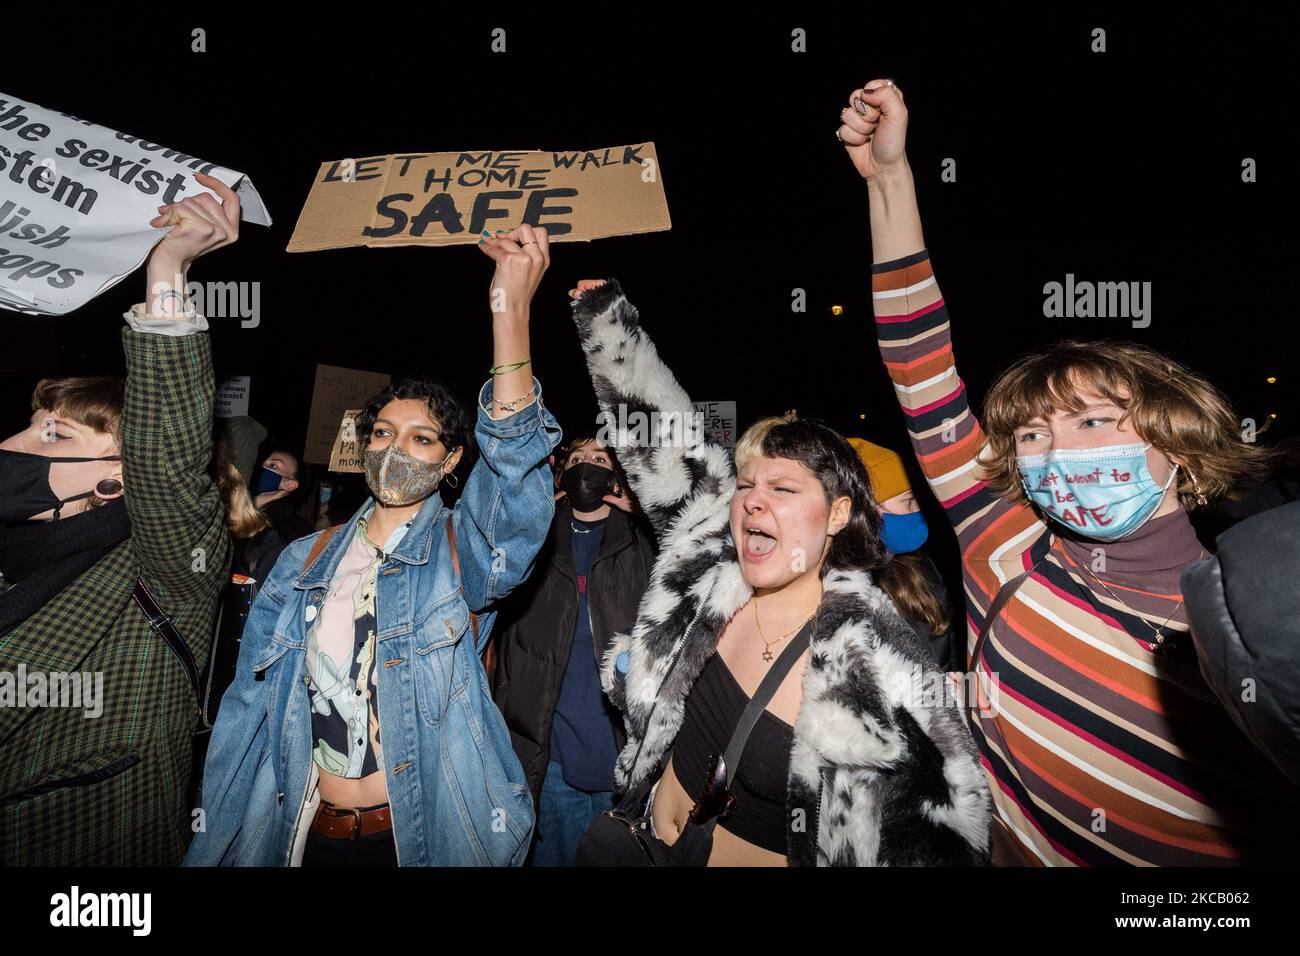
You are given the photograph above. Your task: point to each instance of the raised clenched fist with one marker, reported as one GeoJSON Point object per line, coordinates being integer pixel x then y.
{"type": "Point", "coordinates": [873, 128]}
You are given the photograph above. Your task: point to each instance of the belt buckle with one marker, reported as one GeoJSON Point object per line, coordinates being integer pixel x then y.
{"type": "Point", "coordinates": [356, 822]}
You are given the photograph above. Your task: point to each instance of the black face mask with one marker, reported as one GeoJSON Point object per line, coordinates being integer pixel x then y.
{"type": "Point", "coordinates": [25, 485]}
{"type": "Point", "coordinates": [587, 485]}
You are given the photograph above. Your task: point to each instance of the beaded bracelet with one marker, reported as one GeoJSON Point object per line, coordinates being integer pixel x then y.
{"type": "Point", "coordinates": [503, 369]}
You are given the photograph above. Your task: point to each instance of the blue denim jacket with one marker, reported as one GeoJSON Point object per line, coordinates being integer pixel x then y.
{"type": "Point", "coordinates": [458, 793]}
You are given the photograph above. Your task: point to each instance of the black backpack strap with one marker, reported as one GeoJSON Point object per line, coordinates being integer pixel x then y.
{"type": "Point", "coordinates": [163, 626]}
{"type": "Point", "coordinates": [763, 696]}
{"type": "Point", "coordinates": [1000, 600]}
{"type": "Point", "coordinates": [1009, 587]}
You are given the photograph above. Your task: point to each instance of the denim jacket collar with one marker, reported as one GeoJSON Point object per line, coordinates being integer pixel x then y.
{"type": "Point", "coordinates": [414, 548]}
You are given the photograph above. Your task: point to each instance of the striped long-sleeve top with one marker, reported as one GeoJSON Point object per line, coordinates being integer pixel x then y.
{"type": "Point", "coordinates": [1101, 746]}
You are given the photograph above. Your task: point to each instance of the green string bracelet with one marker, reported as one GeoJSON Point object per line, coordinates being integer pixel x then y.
{"type": "Point", "coordinates": [502, 369]}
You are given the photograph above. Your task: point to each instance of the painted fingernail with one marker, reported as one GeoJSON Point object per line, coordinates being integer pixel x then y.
{"type": "Point", "coordinates": [499, 231]}
{"type": "Point", "coordinates": [837, 136]}
{"type": "Point", "coordinates": [480, 242]}
{"type": "Point", "coordinates": [860, 106]}
{"type": "Point", "coordinates": [486, 233]}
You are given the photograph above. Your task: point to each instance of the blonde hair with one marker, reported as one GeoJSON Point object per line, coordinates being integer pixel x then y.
{"type": "Point", "coordinates": [750, 444]}
{"type": "Point", "coordinates": [1171, 407]}
{"type": "Point", "coordinates": [243, 520]}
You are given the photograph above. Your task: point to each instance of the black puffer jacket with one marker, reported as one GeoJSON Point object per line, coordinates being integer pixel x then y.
{"type": "Point", "coordinates": [1244, 607]}
{"type": "Point", "coordinates": [537, 623]}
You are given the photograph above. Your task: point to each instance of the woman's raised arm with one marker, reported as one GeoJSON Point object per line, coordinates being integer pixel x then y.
{"type": "Point", "coordinates": [911, 317]}
{"type": "Point", "coordinates": [646, 415]}
{"type": "Point", "coordinates": [504, 514]}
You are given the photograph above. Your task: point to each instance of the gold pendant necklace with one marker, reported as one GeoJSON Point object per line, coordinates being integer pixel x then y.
{"type": "Point", "coordinates": [1160, 638]}
{"type": "Point", "coordinates": [767, 648]}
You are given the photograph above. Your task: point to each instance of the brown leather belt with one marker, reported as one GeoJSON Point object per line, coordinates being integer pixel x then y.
{"type": "Point", "coordinates": [348, 823]}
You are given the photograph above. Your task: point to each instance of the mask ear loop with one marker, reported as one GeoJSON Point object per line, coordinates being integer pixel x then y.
{"type": "Point", "coordinates": [1163, 491]}
{"type": "Point", "coordinates": [67, 501]}
{"type": "Point", "coordinates": [58, 509]}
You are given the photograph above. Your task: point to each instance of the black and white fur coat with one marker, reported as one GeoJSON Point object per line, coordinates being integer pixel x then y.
{"type": "Point", "coordinates": [877, 776]}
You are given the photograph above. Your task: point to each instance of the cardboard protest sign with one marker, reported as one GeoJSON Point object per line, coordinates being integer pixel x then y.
{"type": "Point", "coordinates": [232, 396]}
{"type": "Point", "coordinates": [75, 205]}
{"type": "Point", "coordinates": [439, 199]}
{"type": "Point", "coordinates": [346, 454]}
{"type": "Point", "coordinates": [718, 421]}
{"type": "Point", "coordinates": [336, 391]}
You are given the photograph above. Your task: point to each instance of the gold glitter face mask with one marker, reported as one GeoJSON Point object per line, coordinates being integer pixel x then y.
{"type": "Point", "coordinates": [396, 478]}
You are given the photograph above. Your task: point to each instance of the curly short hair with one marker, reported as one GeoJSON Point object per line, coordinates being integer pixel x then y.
{"type": "Point", "coordinates": [454, 424]}
{"type": "Point", "coordinates": [1171, 407]}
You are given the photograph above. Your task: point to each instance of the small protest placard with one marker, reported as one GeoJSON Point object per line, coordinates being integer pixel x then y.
{"type": "Point", "coordinates": [336, 391]}
{"type": "Point", "coordinates": [75, 204]}
{"type": "Point", "coordinates": [439, 199]}
{"type": "Point", "coordinates": [346, 454]}
{"type": "Point", "coordinates": [718, 420]}
{"type": "Point", "coordinates": [232, 396]}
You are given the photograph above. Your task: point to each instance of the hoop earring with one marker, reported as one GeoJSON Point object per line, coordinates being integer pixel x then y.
{"type": "Point", "coordinates": [1196, 490]}
{"type": "Point", "coordinates": [451, 479]}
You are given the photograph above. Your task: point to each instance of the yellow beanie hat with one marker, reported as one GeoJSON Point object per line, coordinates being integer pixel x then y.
{"type": "Point", "coordinates": [888, 478]}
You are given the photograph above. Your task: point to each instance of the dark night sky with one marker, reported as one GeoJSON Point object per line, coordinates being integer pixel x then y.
{"type": "Point", "coordinates": [1116, 166]}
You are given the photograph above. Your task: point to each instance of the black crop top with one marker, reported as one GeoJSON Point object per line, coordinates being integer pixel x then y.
{"type": "Point", "coordinates": [713, 708]}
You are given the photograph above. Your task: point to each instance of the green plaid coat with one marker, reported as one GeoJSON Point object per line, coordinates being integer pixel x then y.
{"type": "Point", "coordinates": [111, 790]}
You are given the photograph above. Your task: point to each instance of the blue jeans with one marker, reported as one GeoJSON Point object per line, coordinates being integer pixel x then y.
{"type": "Point", "coordinates": [563, 815]}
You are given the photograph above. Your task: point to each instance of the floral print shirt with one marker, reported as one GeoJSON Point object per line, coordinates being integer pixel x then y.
{"type": "Point", "coordinates": [341, 664]}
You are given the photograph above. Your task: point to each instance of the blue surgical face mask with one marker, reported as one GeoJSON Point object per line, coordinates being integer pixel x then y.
{"type": "Point", "coordinates": [903, 534]}
{"type": "Point", "coordinates": [267, 481]}
{"type": "Point", "coordinates": [325, 492]}
{"type": "Point", "coordinates": [1105, 493]}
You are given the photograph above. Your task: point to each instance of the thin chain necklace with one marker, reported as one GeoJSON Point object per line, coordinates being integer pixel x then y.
{"type": "Point", "coordinates": [1160, 638]}
{"type": "Point", "coordinates": [767, 649]}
